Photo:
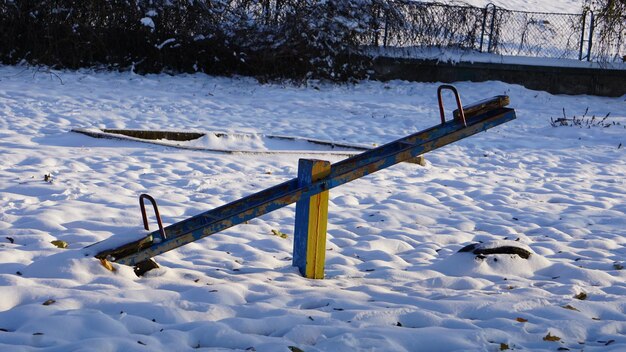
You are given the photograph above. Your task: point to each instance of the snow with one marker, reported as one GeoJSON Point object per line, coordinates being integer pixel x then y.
{"type": "Point", "coordinates": [395, 280]}
{"type": "Point", "coordinates": [165, 42]}
{"type": "Point", "coordinates": [148, 22]}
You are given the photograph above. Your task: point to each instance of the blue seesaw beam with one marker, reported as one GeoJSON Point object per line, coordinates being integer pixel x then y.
{"type": "Point", "coordinates": [485, 115]}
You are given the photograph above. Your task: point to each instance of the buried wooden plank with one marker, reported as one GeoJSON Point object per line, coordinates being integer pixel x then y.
{"type": "Point", "coordinates": [165, 138]}
{"type": "Point", "coordinates": [154, 135]}
{"type": "Point", "coordinates": [152, 138]}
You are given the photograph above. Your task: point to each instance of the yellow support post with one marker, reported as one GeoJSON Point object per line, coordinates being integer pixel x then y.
{"type": "Point", "coordinates": [309, 246]}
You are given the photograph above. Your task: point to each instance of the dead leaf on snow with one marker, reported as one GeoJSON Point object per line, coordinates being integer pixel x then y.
{"type": "Point", "coordinates": [59, 243]}
{"type": "Point", "coordinates": [279, 234]}
{"type": "Point", "coordinates": [107, 265]}
{"type": "Point", "coordinates": [552, 338]}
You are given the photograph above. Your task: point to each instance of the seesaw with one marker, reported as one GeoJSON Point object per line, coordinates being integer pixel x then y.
{"type": "Point", "coordinates": [309, 191]}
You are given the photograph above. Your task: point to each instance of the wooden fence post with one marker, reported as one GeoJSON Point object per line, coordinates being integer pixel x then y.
{"type": "Point", "coordinates": [309, 245]}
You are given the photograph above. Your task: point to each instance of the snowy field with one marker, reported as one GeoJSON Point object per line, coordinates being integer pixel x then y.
{"type": "Point", "coordinates": [394, 280]}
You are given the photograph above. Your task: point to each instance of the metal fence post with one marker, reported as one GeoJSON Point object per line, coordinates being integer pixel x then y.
{"type": "Point", "coordinates": [482, 29]}
{"type": "Point", "coordinates": [386, 28]}
{"type": "Point", "coordinates": [582, 35]}
{"type": "Point", "coordinates": [491, 27]}
{"type": "Point", "coordinates": [590, 41]}
{"type": "Point", "coordinates": [376, 23]}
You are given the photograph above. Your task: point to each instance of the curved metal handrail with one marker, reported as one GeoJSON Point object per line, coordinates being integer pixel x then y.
{"type": "Point", "coordinates": [142, 199]}
{"type": "Point", "coordinates": [458, 103]}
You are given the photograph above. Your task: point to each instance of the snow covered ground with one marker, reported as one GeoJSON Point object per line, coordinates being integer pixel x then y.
{"type": "Point", "coordinates": [394, 280]}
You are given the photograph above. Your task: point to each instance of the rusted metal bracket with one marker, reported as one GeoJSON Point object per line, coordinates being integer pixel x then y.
{"type": "Point", "coordinates": [461, 114]}
{"type": "Point", "coordinates": [142, 199]}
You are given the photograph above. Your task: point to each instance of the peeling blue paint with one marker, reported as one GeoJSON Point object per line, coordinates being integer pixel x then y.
{"type": "Point", "coordinates": [255, 205]}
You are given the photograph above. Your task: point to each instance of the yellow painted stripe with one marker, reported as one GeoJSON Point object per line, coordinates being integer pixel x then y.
{"type": "Point", "coordinates": [318, 220]}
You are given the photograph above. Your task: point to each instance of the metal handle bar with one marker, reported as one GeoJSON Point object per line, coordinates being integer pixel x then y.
{"type": "Point", "coordinates": [458, 103]}
{"type": "Point", "coordinates": [142, 199]}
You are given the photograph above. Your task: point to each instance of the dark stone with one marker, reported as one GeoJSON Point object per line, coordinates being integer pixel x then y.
{"type": "Point", "coordinates": [481, 252]}
{"type": "Point", "coordinates": [143, 267]}
{"type": "Point", "coordinates": [504, 250]}
{"type": "Point", "coordinates": [469, 247]}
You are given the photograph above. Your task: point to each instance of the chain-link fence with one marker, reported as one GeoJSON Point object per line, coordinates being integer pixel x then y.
{"type": "Point", "coordinates": [496, 30]}
{"type": "Point", "coordinates": [426, 24]}
{"type": "Point", "coordinates": [536, 34]}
